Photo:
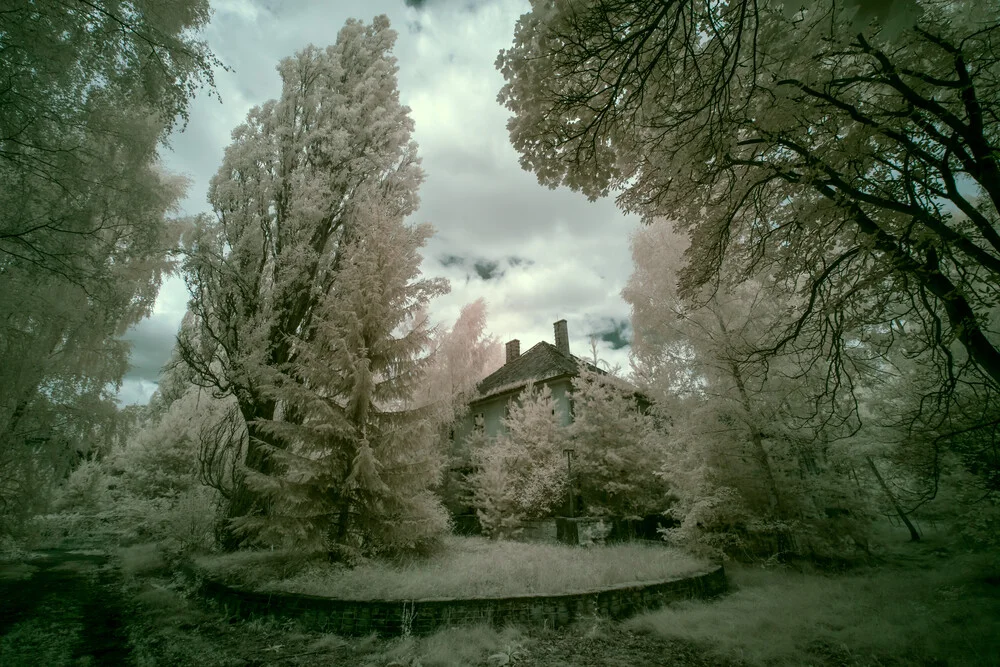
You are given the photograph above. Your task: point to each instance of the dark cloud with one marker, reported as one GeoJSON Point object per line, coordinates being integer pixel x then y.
{"type": "Point", "coordinates": [617, 335]}
{"type": "Point", "coordinates": [451, 260]}
{"type": "Point", "coordinates": [487, 269]}
{"type": "Point", "coordinates": [518, 261]}
{"type": "Point", "coordinates": [152, 341]}
{"type": "Point", "coordinates": [470, 6]}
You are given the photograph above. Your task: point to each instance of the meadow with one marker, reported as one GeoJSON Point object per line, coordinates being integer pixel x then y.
{"type": "Point", "coordinates": [460, 567]}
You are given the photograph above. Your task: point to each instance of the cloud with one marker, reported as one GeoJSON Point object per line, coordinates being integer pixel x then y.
{"type": "Point", "coordinates": [152, 341]}
{"type": "Point", "coordinates": [617, 334]}
{"type": "Point", "coordinates": [451, 260]}
{"type": "Point", "coordinates": [487, 270]}
{"type": "Point", "coordinates": [536, 255]}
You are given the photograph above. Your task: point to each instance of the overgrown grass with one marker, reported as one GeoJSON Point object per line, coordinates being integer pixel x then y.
{"type": "Point", "coordinates": [141, 559]}
{"type": "Point", "coordinates": [931, 607]}
{"type": "Point", "coordinates": [463, 567]}
{"type": "Point", "coordinates": [170, 628]}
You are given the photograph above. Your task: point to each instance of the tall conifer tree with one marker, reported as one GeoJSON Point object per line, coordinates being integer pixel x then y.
{"type": "Point", "coordinates": [261, 271]}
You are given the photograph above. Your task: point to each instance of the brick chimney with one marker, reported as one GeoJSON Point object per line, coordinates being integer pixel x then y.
{"type": "Point", "coordinates": [513, 350]}
{"type": "Point", "coordinates": [562, 337]}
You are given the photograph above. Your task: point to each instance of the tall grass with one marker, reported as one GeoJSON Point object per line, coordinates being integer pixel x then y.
{"type": "Point", "coordinates": [928, 611]}
{"type": "Point", "coordinates": [466, 567]}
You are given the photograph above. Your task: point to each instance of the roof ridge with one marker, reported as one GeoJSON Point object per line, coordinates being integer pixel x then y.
{"type": "Point", "coordinates": [540, 362]}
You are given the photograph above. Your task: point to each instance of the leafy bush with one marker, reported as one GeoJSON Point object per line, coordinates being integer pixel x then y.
{"type": "Point", "coordinates": [618, 448]}
{"type": "Point", "coordinates": [255, 568]}
{"type": "Point", "coordinates": [84, 491]}
{"type": "Point", "coordinates": [142, 559]}
{"type": "Point", "coordinates": [521, 473]}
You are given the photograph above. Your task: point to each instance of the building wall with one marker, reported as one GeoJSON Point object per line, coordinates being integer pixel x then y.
{"type": "Point", "coordinates": [494, 410]}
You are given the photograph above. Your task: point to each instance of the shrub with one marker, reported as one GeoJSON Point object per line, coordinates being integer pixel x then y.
{"type": "Point", "coordinates": [84, 491]}
{"type": "Point", "coordinates": [520, 474]}
{"type": "Point", "coordinates": [618, 448]}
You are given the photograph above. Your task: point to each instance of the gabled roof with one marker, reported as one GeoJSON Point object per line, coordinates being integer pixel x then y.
{"type": "Point", "coordinates": [544, 361]}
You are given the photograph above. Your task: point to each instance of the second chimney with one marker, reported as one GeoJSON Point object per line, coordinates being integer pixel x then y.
{"type": "Point", "coordinates": [562, 337]}
{"type": "Point", "coordinates": [513, 350]}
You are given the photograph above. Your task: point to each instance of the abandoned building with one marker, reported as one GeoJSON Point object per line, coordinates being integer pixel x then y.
{"type": "Point", "coordinates": [544, 364]}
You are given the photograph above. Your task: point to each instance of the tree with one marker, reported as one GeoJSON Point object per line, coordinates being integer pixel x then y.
{"type": "Point", "coordinates": [462, 356]}
{"type": "Point", "coordinates": [859, 174]}
{"type": "Point", "coordinates": [90, 90]}
{"type": "Point", "coordinates": [359, 462]}
{"type": "Point", "coordinates": [748, 450]}
{"type": "Point", "coordinates": [459, 358]}
{"type": "Point", "coordinates": [260, 270]}
{"type": "Point", "coordinates": [619, 448]}
{"type": "Point", "coordinates": [521, 473]}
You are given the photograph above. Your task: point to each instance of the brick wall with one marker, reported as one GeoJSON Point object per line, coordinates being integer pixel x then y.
{"type": "Point", "coordinates": [394, 617]}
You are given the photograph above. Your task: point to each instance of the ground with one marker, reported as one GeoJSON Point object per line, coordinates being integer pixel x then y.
{"type": "Point", "coordinates": [81, 607]}
{"type": "Point", "coordinates": [62, 607]}
{"type": "Point", "coordinates": [924, 605]}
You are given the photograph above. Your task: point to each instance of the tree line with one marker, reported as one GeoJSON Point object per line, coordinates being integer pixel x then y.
{"type": "Point", "coordinates": [814, 296]}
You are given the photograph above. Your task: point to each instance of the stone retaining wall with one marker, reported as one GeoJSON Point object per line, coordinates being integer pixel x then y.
{"type": "Point", "coordinates": [394, 617]}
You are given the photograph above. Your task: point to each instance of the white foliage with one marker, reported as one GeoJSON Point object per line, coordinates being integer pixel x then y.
{"type": "Point", "coordinates": [305, 295]}
{"type": "Point", "coordinates": [520, 474]}
{"type": "Point", "coordinates": [360, 461]}
{"type": "Point", "coordinates": [618, 448]}
{"type": "Point", "coordinates": [746, 451]}
{"type": "Point", "coordinates": [90, 90]}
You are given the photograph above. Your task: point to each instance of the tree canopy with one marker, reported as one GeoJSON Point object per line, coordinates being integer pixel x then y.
{"type": "Point", "coordinates": [853, 168]}
{"type": "Point", "coordinates": [297, 186]}
{"type": "Point", "coordinates": [91, 89]}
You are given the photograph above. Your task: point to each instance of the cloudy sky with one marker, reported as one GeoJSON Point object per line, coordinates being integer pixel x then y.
{"type": "Point", "coordinates": [536, 255]}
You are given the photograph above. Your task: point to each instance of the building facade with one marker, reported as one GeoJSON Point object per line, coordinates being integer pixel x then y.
{"type": "Point", "coordinates": [545, 364]}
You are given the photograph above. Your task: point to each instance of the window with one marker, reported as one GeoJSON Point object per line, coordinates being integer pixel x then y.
{"type": "Point", "coordinates": [480, 423]}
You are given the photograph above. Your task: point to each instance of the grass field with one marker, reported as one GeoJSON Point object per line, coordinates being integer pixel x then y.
{"type": "Point", "coordinates": [926, 604]}
{"type": "Point", "coordinates": [462, 567]}
{"type": "Point", "coordinates": [930, 604]}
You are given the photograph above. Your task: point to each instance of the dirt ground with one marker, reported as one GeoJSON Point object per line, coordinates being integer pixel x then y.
{"type": "Point", "coordinates": [62, 607]}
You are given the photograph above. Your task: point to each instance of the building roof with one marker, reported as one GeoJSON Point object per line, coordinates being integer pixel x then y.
{"type": "Point", "coordinates": [542, 362]}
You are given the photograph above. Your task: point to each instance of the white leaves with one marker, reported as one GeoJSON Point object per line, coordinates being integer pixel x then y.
{"type": "Point", "coordinates": [618, 447]}
{"type": "Point", "coordinates": [365, 472]}
{"type": "Point", "coordinates": [521, 473]}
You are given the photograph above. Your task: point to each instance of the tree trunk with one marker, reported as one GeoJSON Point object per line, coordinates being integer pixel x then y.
{"type": "Point", "coordinates": [760, 454]}
{"type": "Point", "coordinates": [914, 535]}
{"type": "Point", "coordinates": [244, 501]}
{"type": "Point", "coordinates": [343, 518]}
{"type": "Point", "coordinates": [756, 437]}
